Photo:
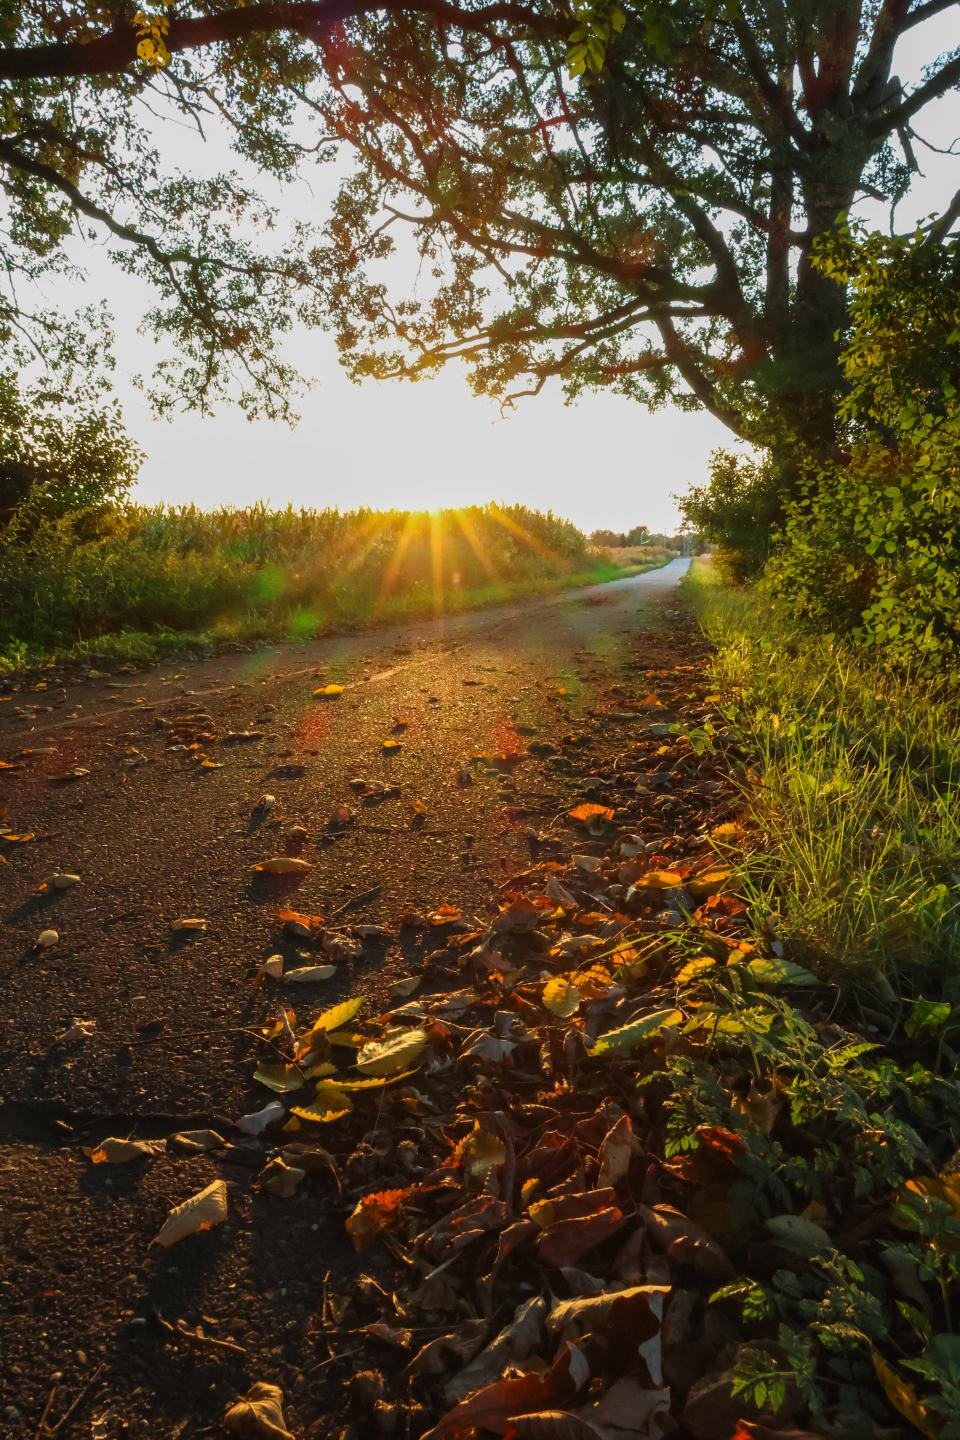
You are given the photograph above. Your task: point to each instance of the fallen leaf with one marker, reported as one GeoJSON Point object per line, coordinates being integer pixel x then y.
{"type": "Point", "coordinates": [199, 1141]}
{"type": "Point", "coordinates": [492, 1407]}
{"type": "Point", "coordinates": [329, 1103]}
{"type": "Point", "coordinates": [406, 985]}
{"type": "Point", "coordinates": [79, 1030]}
{"type": "Point", "coordinates": [60, 881]}
{"type": "Point", "coordinates": [303, 926]}
{"type": "Point", "coordinates": [583, 814]}
{"type": "Point", "coordinates": [375, 1213]}
{"type": "Point", "coordinates": [328, 692]}
{"type": "Point", "coordinates": [201, 1212]}
{"type": "Point", "coordinates": [121, 1152]}
{"type": "Point", "coordinates": [45, 939]}
{"type": "Point", "coordinates": [258, 1415]}
{"type": "Point", "coordinates": [513, 1344]}
{"type": "Point", "coordinates": [561, 997]}
{"type": "Point", "coordinates": [394, 1052]}
{"type": "Point", "coordinates": [308, 974]}
{"type": "Point", "coordinates": [709, 882]}
{"type": "Point", "coordinates": [391, 745]}
{"type": "Point", "coordinates": [258, 1120]}
{"type": "Point", "coordinates": [445, 915]}
{"type": "Point", "coordinates": [279, 1178]}
{"type": "Point", "coordinates": [280, 1078]}
{"type": "Point", "coordinates": [337, 1016]}
{"type": "Point", "coordinates": [658, 880]}
{"type": "Point", "coordinates": [191, 923]}
{"type": "Point", "coordinates": [590, 863]}
{"type": "Point", "coordinates": [480, 1151]}
{"type": "Point", "coordinates": [618, 1149]}
{"type": "Point", "coordinates": [282, 865]}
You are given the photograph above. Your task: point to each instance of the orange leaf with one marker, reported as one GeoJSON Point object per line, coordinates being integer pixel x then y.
{"type": "Point", "coordinates": [374, 1213]}
{"type": "Point", "coordinates": [586, 813]}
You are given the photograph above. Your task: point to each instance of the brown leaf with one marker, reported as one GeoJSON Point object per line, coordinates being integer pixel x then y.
{"type": "Point", "coordinates": [686, 1242]}
{"type": "Point", "coordinates": [618, 1149]}
{"type": "Point", "coordinates": [459, 1345]}
{"type": "Point", "coordinates": [492, 1407]}
{"type": "Point", "coordinates": [552, 1425]}
{"type": "Point", "coordinates": [567, 1240]}
{"type": "Point", "coordinates": [514, 1343]}
{"type": "Point", "coordinates": [282, 865]}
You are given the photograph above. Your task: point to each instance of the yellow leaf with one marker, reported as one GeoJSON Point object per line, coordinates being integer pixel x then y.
{"type": "Point", "coordinates": [328, 692]}
{"type": "Point", "coordinates": [659, 880]}
{"type": "Point", "coordinates": [480, 1152]}
{"type": "Point", "coordinates": [395, 1052]}
{"type": "Point", "coordinates": [903, 1398]}
{"type": "Point", "coordinates": [560, 997]}
{"type": "Point", "coordinates": [375, 1082]}
{"type": "Point", "coordinates": [390, 745]}
{"type": "Point", "coordinates": [329, 1103]}
{"type": "Point", "coordinates": [695, 968]}
{"type": "Point", "coordinates": [709, 882]}
{"type": "Point", "coordinates": [336, 1016]}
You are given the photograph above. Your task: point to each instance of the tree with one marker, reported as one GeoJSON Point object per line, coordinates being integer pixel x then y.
{"type": "Point", "coordinates": [59, 459]}
{"type": "Point", "coordinates": [621, 195]}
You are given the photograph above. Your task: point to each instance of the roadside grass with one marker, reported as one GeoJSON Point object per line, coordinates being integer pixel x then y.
{"type": "Point", "coordinates": [854, 793]}
{"type": "Point", "coordinates": [141, 583]}
{"type": "Point", "coordinates": [832, 1072]}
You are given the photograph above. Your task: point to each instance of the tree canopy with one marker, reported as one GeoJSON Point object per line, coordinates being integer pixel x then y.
{"type": "Point", "coordinates": [619, 195]}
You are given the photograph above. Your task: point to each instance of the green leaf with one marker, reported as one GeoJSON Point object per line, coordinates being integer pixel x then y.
{"type": "Point", "coordinates": [629, 1035]}
{"type": "Point", "coordinates": [773, 970]}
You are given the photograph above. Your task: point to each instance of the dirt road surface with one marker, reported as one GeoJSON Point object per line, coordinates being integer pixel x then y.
{"type": "Point", "coordinates": [498, 725]}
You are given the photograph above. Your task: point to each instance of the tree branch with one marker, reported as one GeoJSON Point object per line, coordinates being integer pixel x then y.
{"type": "Point", "coordinates": [310, 19]}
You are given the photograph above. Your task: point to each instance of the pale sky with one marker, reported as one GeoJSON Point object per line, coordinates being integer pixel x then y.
{"type": "Point", "coordinates": [603, 462]}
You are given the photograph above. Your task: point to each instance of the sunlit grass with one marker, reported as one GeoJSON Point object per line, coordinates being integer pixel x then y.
{"type": "Point", "coordinates": [855, 789]}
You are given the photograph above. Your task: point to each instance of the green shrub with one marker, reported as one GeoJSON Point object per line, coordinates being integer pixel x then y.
{"type": "Point", "coordinates": [736, 509]}
{"type": "Point", "coordinates": [873, 545]}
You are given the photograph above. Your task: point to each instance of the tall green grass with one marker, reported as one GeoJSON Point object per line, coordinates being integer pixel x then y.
{"type": "Point", "coordinates": [138, 580]}
{"type": "Point", "coordinates": [854, 790]}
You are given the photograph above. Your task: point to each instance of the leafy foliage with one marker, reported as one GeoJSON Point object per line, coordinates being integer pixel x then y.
{"type": "Point", "coordinates": [736, 508]}
{"type": "Point", "coordinates": [873, 545]}
{"type": "Point", "coordinates": [59, 460]}
{"type": "Point", "coordinates": [618, 196]}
